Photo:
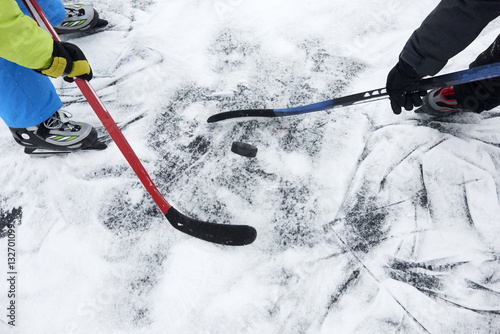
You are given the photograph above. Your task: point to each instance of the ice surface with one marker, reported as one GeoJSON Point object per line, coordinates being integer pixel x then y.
{"type": "Point", "coordinates": [367, 222]}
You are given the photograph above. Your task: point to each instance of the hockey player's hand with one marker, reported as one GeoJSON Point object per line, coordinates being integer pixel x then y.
{"type": "Point", "coordinates": [400, 78]}
{"type": "Point", "coordinates": [68, 61]}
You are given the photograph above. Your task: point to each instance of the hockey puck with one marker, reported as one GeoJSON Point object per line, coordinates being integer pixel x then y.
{"type": "Point", "coordinates": [244, 149]}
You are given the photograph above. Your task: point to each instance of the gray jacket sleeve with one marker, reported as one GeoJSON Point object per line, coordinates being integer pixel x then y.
{"type": "Point", "coordinates": [448, 30]}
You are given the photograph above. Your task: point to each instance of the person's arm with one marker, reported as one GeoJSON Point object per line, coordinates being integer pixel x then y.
{"type": "Point", "coordinates": [22, 41]}
{"type": "Point", "coordinates": [448, 30]}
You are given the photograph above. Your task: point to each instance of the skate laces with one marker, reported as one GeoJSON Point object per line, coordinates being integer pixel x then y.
{"type": "Point", "coordinates": [72, 12]}
{"type": "Point", "coordinates": [60, 121]}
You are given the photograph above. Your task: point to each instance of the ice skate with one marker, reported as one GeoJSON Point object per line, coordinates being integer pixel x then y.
{"type": "Point", "coordinates": [80, 18]}
{"type": "Point", "coordinates": [57, 135]}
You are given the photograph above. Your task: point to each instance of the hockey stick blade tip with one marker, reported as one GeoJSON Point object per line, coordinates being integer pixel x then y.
{"type": "Point", "coordinates": [222, 234]}
{"type": "Point", "coordinates": [241, 113]}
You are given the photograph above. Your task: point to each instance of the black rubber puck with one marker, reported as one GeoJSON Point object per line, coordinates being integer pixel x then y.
{"type": "Point", "coordinates": [244, 149]}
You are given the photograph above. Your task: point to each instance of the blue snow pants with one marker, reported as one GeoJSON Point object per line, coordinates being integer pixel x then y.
{"type": "Point", "coordinates": [26, 97]}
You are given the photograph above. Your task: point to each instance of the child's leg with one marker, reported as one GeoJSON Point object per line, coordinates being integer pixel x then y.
{"type": "Point", "coordinates": [26, 97]}
{"type": "Point", "coordinates": [53, 9]}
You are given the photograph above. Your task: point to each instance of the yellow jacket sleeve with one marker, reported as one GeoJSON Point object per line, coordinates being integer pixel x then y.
{"type": "Point", "coordinates": [22, 41]}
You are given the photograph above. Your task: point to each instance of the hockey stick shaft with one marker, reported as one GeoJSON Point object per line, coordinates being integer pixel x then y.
{"type": "Point", "coordinates": [217, 233]}
{"type": "Point", "coordinates": [455, 78]}
{"type": "Point", "coordinates": [103, 114]}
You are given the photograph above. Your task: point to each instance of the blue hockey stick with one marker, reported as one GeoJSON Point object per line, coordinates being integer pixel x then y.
{"type": "Point", "coordinates": [455, 78]}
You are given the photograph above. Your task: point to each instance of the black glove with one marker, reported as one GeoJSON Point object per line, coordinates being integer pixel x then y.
{"type": "Point", "coordinates": [68, 60]}
{"type": "Point", "coordinates": [489, 56]}
{"type": "Point", "coordinates": [400, 78]}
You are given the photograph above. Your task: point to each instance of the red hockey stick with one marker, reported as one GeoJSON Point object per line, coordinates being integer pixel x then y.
{"type": "Point", "coordinates": [236, 235]}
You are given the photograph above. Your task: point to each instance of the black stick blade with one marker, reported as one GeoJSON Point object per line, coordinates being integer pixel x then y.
{"type": "Point", "coordinates": [241, 113]}
{"type": "Point", "coordinates": [229, 235]}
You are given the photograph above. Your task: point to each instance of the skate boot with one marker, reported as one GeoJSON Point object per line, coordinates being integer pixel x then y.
{"type": "Point", "coordinates": [439, 102]}
{"type": "Point", "coordinates": [80, 18]}
{"type": "Point", "coordinates": [57, 135]}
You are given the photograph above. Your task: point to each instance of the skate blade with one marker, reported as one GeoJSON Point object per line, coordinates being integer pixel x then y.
{"type": "Point", "coordinates": [43, 153]}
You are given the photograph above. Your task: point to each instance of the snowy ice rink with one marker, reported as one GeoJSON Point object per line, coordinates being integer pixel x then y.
{"type": "Point", "coordinates": [367, 222]}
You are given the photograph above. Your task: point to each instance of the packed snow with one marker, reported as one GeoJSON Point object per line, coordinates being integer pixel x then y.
{"type": "Point", "coordinates": [367, 222]}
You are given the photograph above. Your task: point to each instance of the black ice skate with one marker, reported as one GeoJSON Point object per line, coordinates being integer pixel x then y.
{"type": "Point", "coordinates": [57, 135]}
{"type": "Point", "coordinates": [80, 18]}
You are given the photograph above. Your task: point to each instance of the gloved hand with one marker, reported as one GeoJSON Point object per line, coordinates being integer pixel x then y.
{"type": "Point", "coordinates": [68, 60]}
{"type": "Point", "coordinates": [400, 78]}
{"type": "Point", "coordinates": [489, 56]}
